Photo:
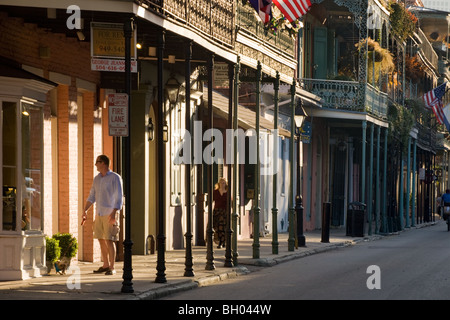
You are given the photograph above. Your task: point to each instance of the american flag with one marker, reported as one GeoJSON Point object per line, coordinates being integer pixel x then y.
{"type": "Point", "coordinates": [293, 9]}
{"type": "Point", "coordinates": [263, 8]}
{"type": "Point", "coordinates": [433, 100]}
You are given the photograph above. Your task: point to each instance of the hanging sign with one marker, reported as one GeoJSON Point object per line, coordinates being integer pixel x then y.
{"type": "Point", "coordinates": [305, 132]}
{"type": "Point", "coordinates": [108, 47]}
{"type": "Point", "coordinates": [118, 115]}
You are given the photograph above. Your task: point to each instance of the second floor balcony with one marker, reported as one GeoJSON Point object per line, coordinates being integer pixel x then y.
{"type": "Point", "coordinates": [349, 96]}
{"type": "Point", "coordinates": [215, 19]}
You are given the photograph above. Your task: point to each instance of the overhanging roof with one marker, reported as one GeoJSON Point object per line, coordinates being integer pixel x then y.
{"type": "Point", "coordinates": [246, 117]}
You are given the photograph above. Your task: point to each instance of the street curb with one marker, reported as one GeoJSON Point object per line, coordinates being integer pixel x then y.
{"type": "Point", "coordinates": [236, 271]}
{"type": "Point", "coordinates": [190, 284]}
{"type": "Point", "coordinates": [262, 262]}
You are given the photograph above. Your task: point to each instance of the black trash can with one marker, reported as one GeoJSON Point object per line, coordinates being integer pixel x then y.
{"type": "Point", "coordinates": [355, 219]}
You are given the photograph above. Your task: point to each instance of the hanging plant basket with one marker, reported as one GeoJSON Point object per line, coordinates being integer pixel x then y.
{"type": "Point", "coordinates": [403, 22]}
{"type": "Point", "coordinates": [381, 55]}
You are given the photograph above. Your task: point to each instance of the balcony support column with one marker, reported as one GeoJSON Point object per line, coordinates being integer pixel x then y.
{"type": "Point", "coordinates": [161, 238]}
{"type": "Point", "coordinates": [413, 195]}
{"type": "Point", "coordinates": [235, 162]}
{"type": "Point", "coordinates": [377, 183]}
{"type": "Point", "coordinates": [209, 230]}
{"type": "Point", "coordinates": [189, 271]}
{"type": "Point", "coordinates": [229, 229]}
{"type": "Point", "coordinates": [408, 182]}
{"type": "Point", "coordinates": [256, 208]}
{"type": "Point", "coordinates": [363, 162]}
{"type": "Point", "coordinates": [370, 195]}
{"type": "Point", "coordinates": [384, 205]}
{"type": "Point", "coordinates": [291, 206]}
{"type": "Point", "coordinates": [401, 193]}
{"type": "Point", "coordinates": [275, 165]}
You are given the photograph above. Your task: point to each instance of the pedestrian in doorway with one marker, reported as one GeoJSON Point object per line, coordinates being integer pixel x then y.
{"type": "Point", "coordinates": [220, 212]}
{"type": "Point", "coordinates": [107, 193]}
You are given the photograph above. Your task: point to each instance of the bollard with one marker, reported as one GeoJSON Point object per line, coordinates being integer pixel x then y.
{"type": "Point", "coordinates": [326, 215]}
{"type": "Point", "coordinates": [301, 241]}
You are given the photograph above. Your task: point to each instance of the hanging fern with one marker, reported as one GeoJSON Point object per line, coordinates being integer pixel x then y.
{"type": "Point", "coordinates": [403, 22]}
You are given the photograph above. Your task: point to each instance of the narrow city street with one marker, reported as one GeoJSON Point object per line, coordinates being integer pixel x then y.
{"type": "Point", "coordinates": [414, 265]}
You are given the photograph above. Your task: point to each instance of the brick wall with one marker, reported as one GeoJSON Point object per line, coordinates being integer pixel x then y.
{"type": "Point", "coordinates": [70, 59]}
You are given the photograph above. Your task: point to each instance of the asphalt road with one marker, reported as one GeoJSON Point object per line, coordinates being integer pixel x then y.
{"type": "Point", "coordinates": [413, 265]}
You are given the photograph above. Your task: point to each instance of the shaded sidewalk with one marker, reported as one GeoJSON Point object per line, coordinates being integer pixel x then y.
{"type": "Point", "coordinates": [101, 287]}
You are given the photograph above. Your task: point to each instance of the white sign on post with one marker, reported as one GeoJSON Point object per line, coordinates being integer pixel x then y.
{"type": "Point", "coordinates": [118, 114]}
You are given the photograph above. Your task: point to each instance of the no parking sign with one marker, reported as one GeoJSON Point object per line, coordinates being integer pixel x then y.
{"type": "Point", "coordinates": [118, 114]}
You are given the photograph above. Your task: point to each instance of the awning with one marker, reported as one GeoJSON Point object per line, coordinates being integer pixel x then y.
{"type": "Point", "coordinates": [246, 117]}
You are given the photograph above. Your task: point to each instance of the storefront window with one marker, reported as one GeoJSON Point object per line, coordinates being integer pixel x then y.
{"type": "Point", "coordinates": [21, 166]}
{"type": "Point", "coordinates": [9, 162]}
{"type": "Point", "coordinates": [31, 167]}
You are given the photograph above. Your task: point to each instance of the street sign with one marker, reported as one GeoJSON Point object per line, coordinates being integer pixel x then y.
{"type": "Point", "coordinates": [108, 47]}
{"type": "Point", "coordinates": [114, 65]}
{"type": "Point", "coordinates": [118, 114]}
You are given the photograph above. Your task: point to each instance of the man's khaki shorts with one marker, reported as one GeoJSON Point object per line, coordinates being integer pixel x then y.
{"type": "Point", "coordinates": [103, 229]}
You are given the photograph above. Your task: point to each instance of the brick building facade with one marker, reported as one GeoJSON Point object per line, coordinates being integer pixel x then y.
{"type": "Point", "coordinates": [74, 123]}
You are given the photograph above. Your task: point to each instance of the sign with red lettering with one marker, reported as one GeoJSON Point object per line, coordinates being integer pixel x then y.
{"type": "Point", "coordinates": [111, 65]}
{"type": "Point", "coordinates": [118, 114]}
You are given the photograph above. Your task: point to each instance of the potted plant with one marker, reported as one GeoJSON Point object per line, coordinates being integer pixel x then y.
{"type": "Point", "coordinates": [52, 252]}
{"type": "Point", "coordinates": [69, 248]}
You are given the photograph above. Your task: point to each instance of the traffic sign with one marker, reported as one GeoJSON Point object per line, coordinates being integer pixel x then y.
{"type": "Point", "coordinates": [118, 114]}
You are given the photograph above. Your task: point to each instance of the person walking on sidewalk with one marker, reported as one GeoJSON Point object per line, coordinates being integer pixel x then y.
{"type": "Point", "coordinates": [107, 192]}
{"type": "Point", "coordinates": [220, 211]}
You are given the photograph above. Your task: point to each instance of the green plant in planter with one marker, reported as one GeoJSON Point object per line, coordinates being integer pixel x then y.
{"type": "Point", "coordinates": [53, 250]}
{"type": "Point", "coordinates": [68, 244]}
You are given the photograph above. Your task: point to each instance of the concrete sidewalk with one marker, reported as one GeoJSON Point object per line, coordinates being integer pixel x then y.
{"type": "Point", "coordinates": [81, 284]}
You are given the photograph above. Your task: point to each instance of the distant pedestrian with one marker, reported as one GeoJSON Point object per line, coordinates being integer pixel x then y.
{"type": "Point", "coordinates": [446, 197]}
{"type": "Point", "coordinates": [445, 202]}
{"type": "Point", "coordinates": [220, 212]}
{"type": "Point", "coordinates": [107, 192]}
{"type": "Point", "coordinates": [439, 205]}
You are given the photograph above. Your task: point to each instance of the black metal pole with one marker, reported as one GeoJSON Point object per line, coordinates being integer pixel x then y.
{"type": "Point", "coordinates": [301, 240]}
{"type": "Point", "coordinates": [188, 271]}
{"type": "Point", "coordinates": [326, 222]}
{"type": "Point", "coordinates": [161, 263]}
{"type": "Point", "coordinates": [127, 284]}
{"type": "Point", "coordinates": [210, 232]}
{"type": "Point", "coordinates": [228, 255]}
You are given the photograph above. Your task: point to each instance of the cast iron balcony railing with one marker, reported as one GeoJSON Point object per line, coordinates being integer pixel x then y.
{"type": "Point", "coordinates": [427, 49]}
{"type": "Point", "coordinates": [248, 23]}
{"type": "Point", "coordinates": [346, 95]}
{"type": "Point", "coordinates": [214, 18]}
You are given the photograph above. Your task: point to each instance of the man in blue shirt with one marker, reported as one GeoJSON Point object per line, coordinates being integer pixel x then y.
{"type": "Point", "coordinates": [107, 193]}
{"type": "Point", "coordinates": [446, 197]}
